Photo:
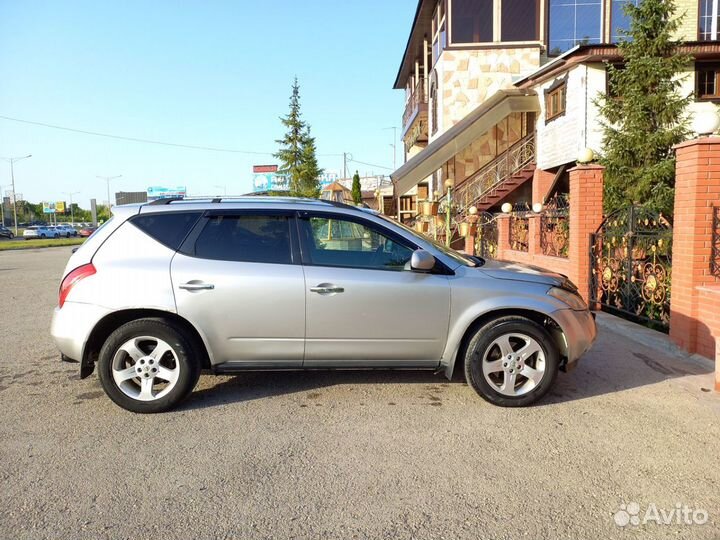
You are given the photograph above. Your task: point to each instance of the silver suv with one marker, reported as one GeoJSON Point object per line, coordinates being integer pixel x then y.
{"type": "Point", "coordinates": [166, 289]}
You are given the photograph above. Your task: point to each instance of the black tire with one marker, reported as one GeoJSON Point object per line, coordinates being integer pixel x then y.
{"type": "Point", "coordinates": [188, 364]}
{"type": "Point", "coordinates": [42, 236]}
{"type": "Point", "coordinates": [481, 344]}
{"type": "Point", "coordinates": [11, 236]}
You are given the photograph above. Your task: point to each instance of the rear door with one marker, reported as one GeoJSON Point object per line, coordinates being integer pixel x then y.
{"type": "Point", "coordinates": [239, 280]}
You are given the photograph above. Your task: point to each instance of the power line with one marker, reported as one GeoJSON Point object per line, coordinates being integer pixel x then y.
{"type": "Point", "coordinates": [145, 141]}
{"type": "Point", "coordinates": [371, 164]}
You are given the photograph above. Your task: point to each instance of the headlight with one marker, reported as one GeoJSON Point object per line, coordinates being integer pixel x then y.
{"type": "Point", "coordinates": [571, 299]}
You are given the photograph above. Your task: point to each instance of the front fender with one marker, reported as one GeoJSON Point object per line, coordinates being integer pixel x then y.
{"type": "Point", "coordinates": [467, 309]}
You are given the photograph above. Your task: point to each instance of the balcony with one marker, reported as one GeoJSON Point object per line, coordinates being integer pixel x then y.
{"type": "Point", "coordinates": [416, 104]}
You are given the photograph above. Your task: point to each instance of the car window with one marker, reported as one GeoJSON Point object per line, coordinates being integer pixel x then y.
{"type": "Point", "coordinates": [245, 238]}
{"type": "Point", "coordinates": [168, 228]}
{"type": "Point", "coordinates": [354, 244]}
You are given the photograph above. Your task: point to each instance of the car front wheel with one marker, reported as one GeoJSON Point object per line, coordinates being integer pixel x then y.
{"type": "Point", "coordinates": [511, 361]}
{"type": "Point", "coordinates": [147, 366]}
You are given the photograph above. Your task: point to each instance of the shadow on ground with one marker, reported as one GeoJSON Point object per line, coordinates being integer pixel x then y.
{"type": "Point", "coordinates": [615, 364]}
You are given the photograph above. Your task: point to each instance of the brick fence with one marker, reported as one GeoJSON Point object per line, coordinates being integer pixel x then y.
{"type": "Point", "coordinates": [585, 216]}
{"type": "Point", "coordinates": [694, 324]}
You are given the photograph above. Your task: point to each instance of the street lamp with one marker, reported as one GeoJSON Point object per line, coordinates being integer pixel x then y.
{"type": "Point", "coordinates": [12, 179]}
{"type": "Point", "coordinates": [107, 179]}
{"type": "Point", "coordinates": [72, 213]}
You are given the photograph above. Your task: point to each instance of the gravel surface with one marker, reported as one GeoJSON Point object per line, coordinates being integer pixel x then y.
{"type": "Point", "coordinates": [345, 455]}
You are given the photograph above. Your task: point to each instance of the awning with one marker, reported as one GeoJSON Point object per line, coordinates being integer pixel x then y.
{"type": "Point", "coordinates": [461, 135]}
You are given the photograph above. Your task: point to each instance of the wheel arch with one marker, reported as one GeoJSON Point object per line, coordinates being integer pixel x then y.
{"type": "Point", "coordinates": [457, 355]}
{"type": "Point", "coordinates": [112, 321]}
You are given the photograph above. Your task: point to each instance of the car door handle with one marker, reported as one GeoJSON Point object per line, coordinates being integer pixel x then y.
{"type": "Point", "coordinates": [325, 288]}
{"type": "Point", "coordinates": [190, 286]}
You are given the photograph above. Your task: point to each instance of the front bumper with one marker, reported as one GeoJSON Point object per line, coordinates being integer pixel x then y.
{"type": "Point", "coordinates": [71, 327]}
{"type": "Point", "coordinates": [579, 331]}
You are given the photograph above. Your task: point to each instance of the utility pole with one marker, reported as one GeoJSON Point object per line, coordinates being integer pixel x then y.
{"type": "Point", "coordinates": [107, 179]}
{"type": "Point", "coordinates": [2, 207]}
{"type": "Point", "coordinates": [344, 166]}
{"type": "Point", "coordinates": [72, 212]}
{"type": "Point", "coordinates": [14, 193]}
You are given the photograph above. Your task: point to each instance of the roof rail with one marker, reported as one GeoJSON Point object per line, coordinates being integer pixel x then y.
{"type": "Point", "coordinates": [166, 200]}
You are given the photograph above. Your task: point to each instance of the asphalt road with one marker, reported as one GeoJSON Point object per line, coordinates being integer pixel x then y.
{"type": "Point", "coordinates": [345, 455]}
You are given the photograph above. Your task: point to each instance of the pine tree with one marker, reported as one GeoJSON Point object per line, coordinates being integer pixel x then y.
{"type": "Point", "coordinates": [309, 177]}
{"type": "Point", "coordinates": [290, 153]}
{"type": "Point", "coordinates": [644, 113]}
{"type": "Point", "coordinates": [356, 189]}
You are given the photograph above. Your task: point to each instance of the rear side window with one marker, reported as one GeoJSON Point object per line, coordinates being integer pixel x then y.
{"type": "Point", "coordinates": [245, 238]}
{"type": "Point", "coordinates": [168, 228]}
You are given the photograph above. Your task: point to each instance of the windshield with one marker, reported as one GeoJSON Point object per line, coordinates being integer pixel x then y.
{"type": "Point", "coordinates": [454, 255]}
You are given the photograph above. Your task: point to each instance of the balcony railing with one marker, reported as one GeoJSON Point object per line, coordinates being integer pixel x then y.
{"type": "Point", "coordinates": [416, 103]}
{"type": "Point", "coordinates": [492, 175]}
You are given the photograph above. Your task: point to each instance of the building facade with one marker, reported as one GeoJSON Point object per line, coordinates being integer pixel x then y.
{"type": "Point", "coordinates": [500, 94]}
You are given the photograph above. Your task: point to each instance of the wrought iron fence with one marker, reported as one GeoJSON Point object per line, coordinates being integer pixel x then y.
{"type": "Point", "coordinates": [520, 227]}
{"type": "Point", "coordinates": [715, 255]}
{"type": "Point", "coordinates": [486, 242]}
{"type": "Point", "coordinates": [555, 226]}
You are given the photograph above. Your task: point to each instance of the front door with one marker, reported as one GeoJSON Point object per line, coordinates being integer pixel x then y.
{"type": "Point", "coordinates": [364, 305]}
{"type": "Point", "coordinates": [236, 280]}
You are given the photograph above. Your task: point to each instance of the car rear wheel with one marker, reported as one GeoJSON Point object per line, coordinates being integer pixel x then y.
{"type": "Point", "coordinates": [511, 361]}
{"type": "Point", "coordinates": [42, 236]}
{"type": "Point", "coordinates": [147, 366]}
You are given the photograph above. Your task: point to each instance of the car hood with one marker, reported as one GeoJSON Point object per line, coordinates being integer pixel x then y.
{"type": "Point", "coordinates": [523, 272]}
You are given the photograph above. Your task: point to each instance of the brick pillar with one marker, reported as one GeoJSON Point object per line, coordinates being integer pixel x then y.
{"type": "Point", "coordinates": [471, 235]}
{"type": "Point", "coordinates": [534, 235]}
{"type": "Point", "coordinates": [697, 187]}
{"type": "Point", "coordinates": [503, 225]}
{"type": "Point", "coordinates": [586, 215]}
{"type": "Point", "coordinates": [541, 183]}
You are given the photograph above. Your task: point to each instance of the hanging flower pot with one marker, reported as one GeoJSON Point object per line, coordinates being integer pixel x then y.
{"type": "Point", "coordinates": [464, 228]}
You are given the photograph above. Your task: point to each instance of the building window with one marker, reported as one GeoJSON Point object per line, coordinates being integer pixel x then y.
{"type": "Point", "coordinates": [708, 20]}
{"type": "Point", "coordinates": [574, 22]}
{"type": "Point", "coordinates": [519, 20]}
{"type": "Point", "coordinates": [555, 99]}
{"type": "Point", "coordinates": [439, 41]}
{"type": "Point", "coordinates": [472, 21]}
{"type": "Point", "coordinates": [619, 21]}
{"type": "Point", "coordinates": [707, 81]}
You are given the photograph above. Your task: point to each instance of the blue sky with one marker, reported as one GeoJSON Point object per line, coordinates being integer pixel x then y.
{"type": "Point", "coordinates": [205, 73]}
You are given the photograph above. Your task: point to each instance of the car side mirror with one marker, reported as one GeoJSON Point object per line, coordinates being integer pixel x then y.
{"type": "Point", "coordinates": [422, 261]}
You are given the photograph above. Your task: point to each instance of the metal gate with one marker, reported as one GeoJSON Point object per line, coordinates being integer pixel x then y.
{"type": "Point", "coordinates": [630, 263]}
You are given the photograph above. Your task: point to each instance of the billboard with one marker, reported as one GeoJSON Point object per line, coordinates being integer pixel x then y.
{"type": "Point", "coordinates": [266, 178]}
{"type": "Point", "coordinates": [60, 207]}
{"type": "Point", "coordinates": [159, 192]}
{"type": "Point", "coordinates": [48, 207]}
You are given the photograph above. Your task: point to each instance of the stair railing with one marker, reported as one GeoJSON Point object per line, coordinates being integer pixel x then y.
{"type": "Point", "coordinates": [493, 174]}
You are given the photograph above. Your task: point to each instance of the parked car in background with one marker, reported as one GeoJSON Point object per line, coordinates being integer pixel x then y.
{"type": "Point", "coordinates": [166, 289]}
{"type": "Point", "coordinates": [6, 233]}
{"type": "Point", "coordinates": [66, 230]}
{"type": "Point", "coordinates": [87, 231]}
{"type": "Point", "coordinates": [39, 231]}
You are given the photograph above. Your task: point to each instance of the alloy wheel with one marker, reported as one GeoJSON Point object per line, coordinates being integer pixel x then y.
{"type": "Point", "coordinates": [514, 364]}
{"type": "Point", "coordinates": [145, 368]}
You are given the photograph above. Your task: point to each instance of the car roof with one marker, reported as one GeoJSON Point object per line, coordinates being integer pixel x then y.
{"type": "Point", "coordinates": [244, 202]}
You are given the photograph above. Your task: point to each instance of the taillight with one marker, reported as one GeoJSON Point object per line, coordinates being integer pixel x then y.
{"type": "Point", "coordinates": [72, 278]}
